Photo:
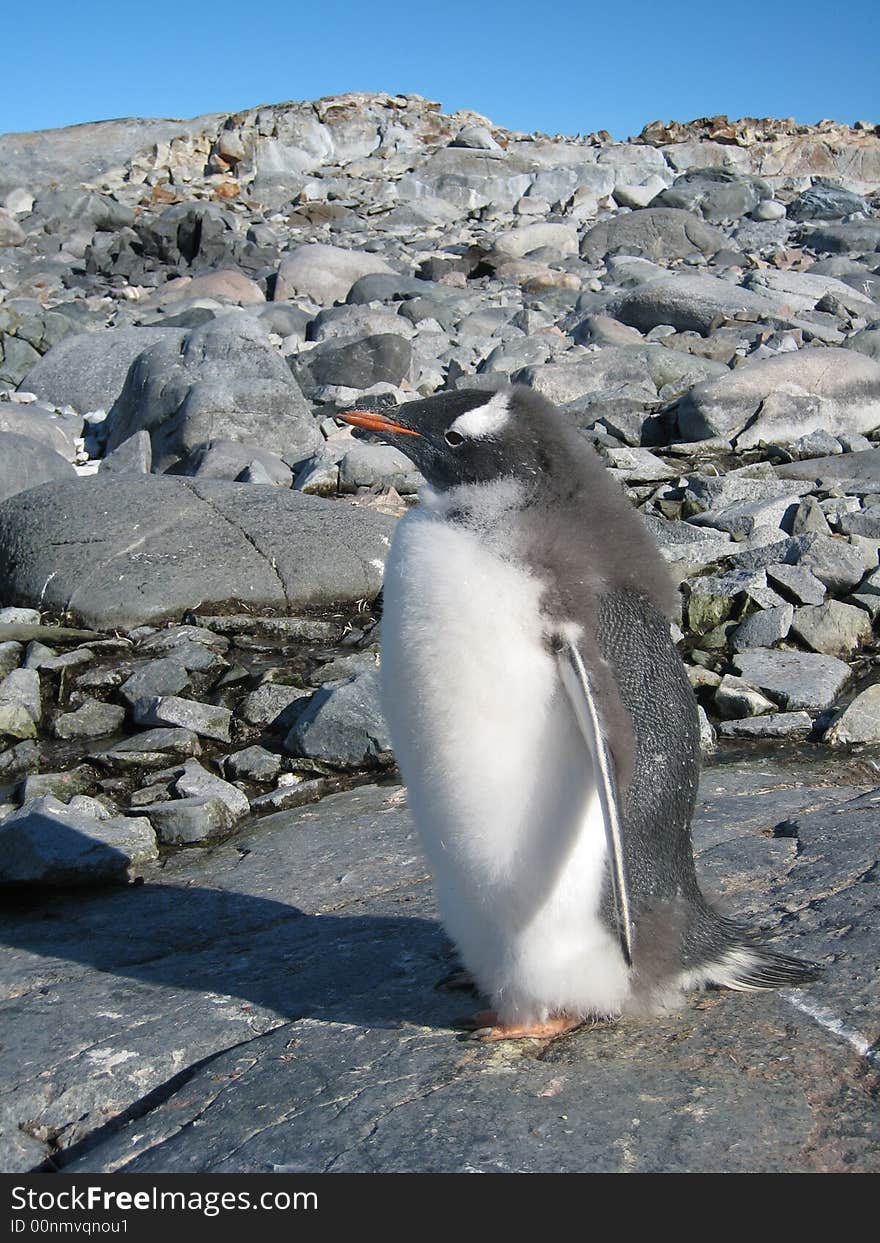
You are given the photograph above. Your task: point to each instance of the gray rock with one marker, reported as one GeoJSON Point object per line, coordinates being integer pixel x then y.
{"type": "Point", "coordinates": [196, 782]}
{"type": "Point", "coordinates": [26, 463]}
{"type": "Point", "coordinates": [834, 628]}
{"type": "Point", "coordinates": [227, 459]}
{"type": "Point", "coordinates": [864, 465]}
{"type": "Point", "coordinates": [41, 424]}
{"type": "Point", "coordinates": [252, 764]}
{"type": "Point", "coordinates": [690, 303]}
{"type": "Point", "coordinates": [343, 725]}
{"type": "Point", "coordinates": [63, 786]}
{"type": "Point", "coordinates": [383, 359]}
{"type": "Point", "coordinates": [209, 963]}
{"type": "Point", "coordinates": [735, 698]}
{"type": "Point", "coordinates": [809, 516]}
{"type": "Point", "coordinates": [325, 274]}
{"type": "Point", "coordinates": [22, 687]}
{"type": "Point", "coordinates": [594, 380]}
{"type": "Point", "coordinates": [206, 720]}
{"type": "Point", "coordinates": [269, 703]}
{"type": "Point", "coordinates": [764, 628]}
{"type": "Point", "coordinates": [22, 758]}
{"type": "Point", "coordinates": [88, 370]}
{"type": "Point", "coordinates": [91, 720]}
{"type": "Point", "coordinates": [854, 237]}
{"type": "Point", "coordinates": [150, 749]}
{"type": "Point", "coordinates": [133, 456]}
{"type": "Point", "coordinates": [164, 676]}
{"type": "Point", "coordinates": [176, 544]}
{"type": "Point", "coordinates": [865, 522]}
{"type": "Point", "coordinates": [745, 518]}
{"type": "Point", "coordinates": [796, 582]}
{"type": "Point", "coordinates": [661, 233]}
{"type": "Point", "coordinates": [801, 291]}
{"type": "Point", "coordinates": [16, 722]}
{"type": "Point", "coordinates": [47, 843]}
{"type": "Point", "coordinates": [859, 721]}
{"type": "Point", "coordinates": [716, 194]}
{"type": "Point", "coordinates": [186, 820]}
{"type": "Point", "coordinates": [776, 400]}
{"type": "Point", "coordinates": [835, 563]}
{"type": "Point", "coordinates": [10, 657]}
{"type": "Point", "coordinates": [222, 381]}
{"type": "Point", "coordinates": [714, 598]}
{"type": "Point", "coordinates": [476, 137]}
{"type": "Point", "coordinates": [776, 725]}
{"type": "Point", "coordinates": [794, 679]}
{"type": "Point", "coordinates": [369, 465]}
{"type": "Point", "coordinates": [825, 200]}
{"type": "Point", "coordinates": [11, 232]}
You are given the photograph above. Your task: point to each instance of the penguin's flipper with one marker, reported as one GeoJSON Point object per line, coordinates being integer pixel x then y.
{"type": "Point", "coordinates": [576, 681]}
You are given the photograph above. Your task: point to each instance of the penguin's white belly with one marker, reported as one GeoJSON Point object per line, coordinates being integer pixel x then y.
{"type": "Point", "coordinates": [499, 778]}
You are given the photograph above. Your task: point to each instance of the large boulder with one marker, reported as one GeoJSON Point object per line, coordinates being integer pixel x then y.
{"type": "Point", "coordinates": [220, 381]}
{"type": "Point", "coordinates": [659, 233]}
{"type": "Point", "coordinates": [324, 273]}
{"type": "Point", "coordinates": [779, 399]}
{"type": "Point", "coordinates": [690, 302]}
{"type": "Point", "coordinates": [716, 194]}
{"type": "Point", "coordinates": [26, 463]}
{"type": "Point", "coordinates": [87, 369]}
{"type": "Point", "coordinates": [119, 551]}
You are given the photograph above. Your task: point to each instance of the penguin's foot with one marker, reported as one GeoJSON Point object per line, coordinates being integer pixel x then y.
{"type": "Point", "coordinates": [485, 1026]}
{"type": "Point", "coordinates": [457, 981]}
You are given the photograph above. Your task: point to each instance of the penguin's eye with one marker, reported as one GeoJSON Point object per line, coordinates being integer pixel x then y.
{"type": "Point", "coordinates": [453, 438]}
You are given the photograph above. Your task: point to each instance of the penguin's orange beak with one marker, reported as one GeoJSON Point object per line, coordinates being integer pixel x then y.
{"type": "Point", "coordinates": [372, 421]}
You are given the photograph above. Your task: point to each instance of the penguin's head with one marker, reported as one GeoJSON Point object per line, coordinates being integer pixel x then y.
{"type": "Point", "coordinates": [473, 436]}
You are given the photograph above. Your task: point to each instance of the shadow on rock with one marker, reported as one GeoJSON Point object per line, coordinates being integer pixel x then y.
{"type": "Point", "coordinates": [368, 970]}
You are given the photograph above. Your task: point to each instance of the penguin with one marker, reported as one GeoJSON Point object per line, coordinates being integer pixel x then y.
{"type": "Point", "coordinates": [544, 724]}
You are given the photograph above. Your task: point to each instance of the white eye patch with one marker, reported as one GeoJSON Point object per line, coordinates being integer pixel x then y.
{"type": "Point", "coordinates": [483, 420]}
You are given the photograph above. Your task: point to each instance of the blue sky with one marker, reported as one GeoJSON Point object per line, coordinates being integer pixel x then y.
{"type": "Point", "coordinates": [559, 67]}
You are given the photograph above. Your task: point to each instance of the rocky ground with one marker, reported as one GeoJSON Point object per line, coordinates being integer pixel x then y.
{"type": "Point", "coordinates": [191, 552]}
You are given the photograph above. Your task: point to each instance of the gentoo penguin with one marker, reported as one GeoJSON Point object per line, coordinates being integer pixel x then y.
{"type": "Point", "coordinates": [544, 725]}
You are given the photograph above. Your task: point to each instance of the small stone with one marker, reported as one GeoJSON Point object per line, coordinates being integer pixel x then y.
{"type": "Point", "coordinates": [777, 725]}
{"type": "Point", "coordinates": [150, 749]}
{"type": "Point", "coordinates": [196, 782]}
{"type": "Point", "coordinates": [833, 561]}
{"type": "Point", "coordinates": [736, 698]}
{"type": "Point", "coordinates": [796, 582]}
{"type": "Point", "coordinates": [763, 629]}
{"type": "Point", "coordinates": [834, 628]}
{"type": "Point", "coordinates": [46, 843]}
{"type": "Point", "coordinates": [91, 720]}
{"type": "Point", "coordinates": [252, 764]}
{"type": "Point", "coordinates": [10, 657]}
{"type": "Point", "coordinates": [185, 820]}
{"type": "Point", "coordinates": [16, 721]}
{"type": "Point", "coordinates": [859, 722]}
{"type": "Point", "coordinates": [206, 720]}
{"type": "Point", "coordinates": [343, 725]}
{"type": "Point", "coordinates": [19, 617]}
{"type": "Point", "coordinates": [165, 676]}
{"type": "Point", "coordinates": [794, 679]}
{"type": "Point", "coordinates": [21, 687]}
{"type": "Point", "coordinates": [63, 786]}
{"type": "Point", "coordinates": [269, 704]}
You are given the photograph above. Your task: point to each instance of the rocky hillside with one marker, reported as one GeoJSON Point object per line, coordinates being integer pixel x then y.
{"type": "Point", "coordinates": [191, 545]}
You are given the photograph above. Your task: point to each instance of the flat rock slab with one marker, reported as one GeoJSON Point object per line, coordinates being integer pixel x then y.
{"type": "Point", "coordinates": [123, 551]}
{"type": "Point", "coordinates": [269, 1005]}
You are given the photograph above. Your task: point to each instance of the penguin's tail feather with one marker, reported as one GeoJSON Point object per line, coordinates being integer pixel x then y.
{"type": "Point", "coordinates": [751, 968]}
{"type": "Point", "coordinates": [748, 966]}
